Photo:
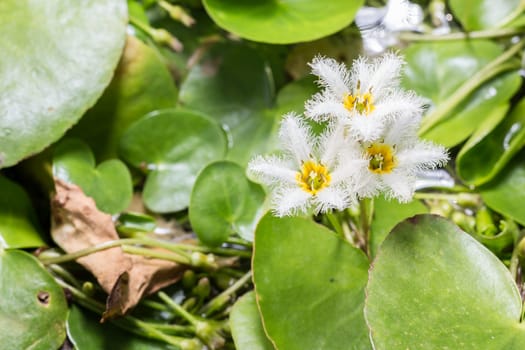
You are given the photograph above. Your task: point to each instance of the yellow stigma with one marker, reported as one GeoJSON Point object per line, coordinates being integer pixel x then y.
{"type": "Point", "coordinates": [381, 158]}
{"type": "Point", "coordinates": [362, 103]}
{"type": "Point", "coordinates": [313, 177]}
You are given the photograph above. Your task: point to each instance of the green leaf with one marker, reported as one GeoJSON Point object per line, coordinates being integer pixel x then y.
{"type": "Point", "coordinates": [131, 224]}
{"type": "Point", "coordinates": [310, 286]}
{"type": "Point", "coordinates": [58, 56]}
{"type": "Point", "coordinates": [482, 14]}
{"type": "Point", "coordinates": [33, 310]}
{"type": "Point", "coordinates": [141, 84]}
{"type": "Point", "coordinates": [246, 325]}
{"type": "Point", "coordinates": [387, 214]}
{"type": "Point", "coordinates": [109, 184]}
{"type": "Point", "coordinates": [173, 146]}
{"type": "Point", "coordinates": [432, 286]}
{"type": "Point", "coordinates": [232, 85]}
{"type": "Point", "coordinates": [19, 226]}
{"type": "Point", "coordinates": [282, 22]}
{"type": "Point", "coordinates": [87, 333]}
{"type": "Point", "coordinates": [483, 158]}
{"type": "Point", "coordinates": [437, 70]}
{"type": "Point", "coordinates": [505, 193]}
{"type": "Point", "coordinates": [223, 202]}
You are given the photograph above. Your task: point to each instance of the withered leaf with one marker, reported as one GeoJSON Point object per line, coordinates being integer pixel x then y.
{"type": "Point", "coordinates": [76, 224]}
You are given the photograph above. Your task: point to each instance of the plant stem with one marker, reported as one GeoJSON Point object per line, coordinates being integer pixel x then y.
{"type": "Point", "coordinates": [488, 72]}
{"type": "Point", "coordinates": [156, 254]}
{"type": "Point", "coordinates": [217, 302]}
{"type": "Point", "coordinates": [336, 225]}
{"type": "Point", "coordinates": [366, 215]}
{"type": "Point", "coordinates": [482, 34]}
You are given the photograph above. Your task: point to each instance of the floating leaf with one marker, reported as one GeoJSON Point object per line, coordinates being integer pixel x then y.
{"type": "Point", "coordinates": [109, 184]}
{"type": "Point", "coordinates": [141, 84]}
{"type": "Point", "coordinates": [433, 286]}
{"type": "Point", "coordinates": [481, 159]}
{"type": "Point", "coordinates": [437, 70]}
{"type": "Point", "coordinates": [58, 58]}
{"type": "Point", "coordinates": [282, 22]}
{"type": "Point", "coordinates": [174, 145]}
{"type": "Point", "coordinates": [232, 84]}
{"type": "Point", "coordinates": [246, 326]}
{"type": "Point", "coordinates": [19, 226]}
{"type": "Point", "coordinates": [33, 310]}
{"type": "Point", "coordinates": [87, 333]}
{"type": "Point", "coordinates": [505, 193]}
{"type": "Point", "coordinates": [483, 14]}
{"type": "Point", "coordinates": [387, 214]}
{"type": "Point", "coordinates": [224, 202]}
{"type": "Point", "coordinates": [310, 286]}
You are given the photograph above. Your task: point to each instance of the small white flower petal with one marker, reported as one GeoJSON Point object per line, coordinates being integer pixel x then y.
{"type": "Point", "coordinates": [331, 143]}
{"type": "Point", "coordinates": [384, 75]}
{"type": "Point", "coordinates": [271, 170]}
{"type": "Point", "coordinates": [400, 103]}
{"type": "Point", "coordinates": [332, 75]}
{"type": "Point", "coordinates": [296, 137]}
{"type": "Point", "coordinates": [366, 128]}
{"type": "Point", "coordinates": [323, 106]}
{"type": "Point", "coordinates": [290, 201]}
{"type": "Point", "coordinates": [423, 155]}
{"type": "Point", "coordinates": [331, 198]}
{"type": "Point", "coordinates": [400, 185]}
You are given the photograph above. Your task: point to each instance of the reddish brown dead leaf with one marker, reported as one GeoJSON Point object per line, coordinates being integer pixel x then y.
{"type": "Point", "coordinates": [76, 224]}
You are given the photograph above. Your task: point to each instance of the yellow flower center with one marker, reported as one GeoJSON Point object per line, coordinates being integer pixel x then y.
{"type": "Point", "coordinates": [313, 177]}
{"type": "Point", "coordinates": [381, 158]}
{"type": "Point", "coordinates": [362, 103]}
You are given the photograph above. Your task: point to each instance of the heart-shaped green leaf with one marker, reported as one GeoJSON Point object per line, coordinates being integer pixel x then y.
{"type": "Point", "coordinates": [483, 158]}
{"type": "Point", "coordinates": [141, 84]}
{"type": "Point", "coordinates": [246, 326]}
{"type": "Point", "coordinates": [481, 14]}
{"type": "Point", "coordinates": [432, 286]}
{"type": "Point", "coordinates": [223, 202]}
{"type": "Point", "coordinates": [437, 70]}
{"type": "Point", "coordinates": [58, 56]}
{"type": "Point", "coordinates": [173, 146]}
{"type": "Point", "coordinates": [310, 286]}
{"type": "Point", "coordinates": [282, 22]}
{"type": "Point", "coordinates": [233, 86]}
{"type": "Point", "coordinates": [87, 333]}
{"type": "Point", "coordinates": [33, 310]}
{"type": "Point", "coordinates": [505, 193]}
{"type": "Point", "coordinates": [109, 184]}
{"type": "Point", "coordinates": [19, 226]}
{"type": "Point", "coordinates": [387, 214]}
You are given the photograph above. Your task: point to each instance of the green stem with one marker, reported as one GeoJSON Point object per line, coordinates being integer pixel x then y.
{"type": "Point", "coordinates": [178, 309]}
{"type": "Point", "coordinates": [217, 302]}
{"type": "Point", "coordinates": [472, 198]}
{"type": "Point", "coordinates": [482, 34]}
{"type": "Point", "coordinates": [156, 254]}
{"type": "Point", "coordinates": [65, 275]}
{"type": "Point", "coordinates": [366, 216]}
{"type": "Point", "coordinates": [488, 72]}
{"type": "Point", "coordinates": [334, 221]}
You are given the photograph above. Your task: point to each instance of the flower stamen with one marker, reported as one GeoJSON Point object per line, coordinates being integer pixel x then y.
{"type": "Point", "coordinates": [362, 103]}
{"type": "Point", "coordinates": [381, 158]}
{"type": "Point", "coordinates": [313, 177]}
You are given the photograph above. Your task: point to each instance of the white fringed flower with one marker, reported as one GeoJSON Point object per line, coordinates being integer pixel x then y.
{"type": "Point", "coordinates": [309, 175]}
{"type": "Point", "coordinates": [390, 165]}
{"type": "Point", "coordinates": [365, 98]}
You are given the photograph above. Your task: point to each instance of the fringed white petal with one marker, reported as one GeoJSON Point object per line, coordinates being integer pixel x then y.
{"type": "Point", "coordinates": [296, 137]}
{"type": "Point", "coordinates": [366, 128]}
{"type": "Point", "coordinates": [400, 103]}
{"type": "Point", "coordinates": [290, 201]}
{"type": "Point", "coordinates": [333, 76]}
{"type": "Point", "coordinates": [332, 198]}
{"type": "Point", "coordinates": [323, 106]}
{"type": "Point", "coordinates": [271, 171]}
{"type": "Point", "coordinates": [423, 155]}
{"type": "Point", "coordinates": [399, 185]}
{"type": "Point", "coordinates": [385, 72]}
{"type": "Point", "coordinates": [331, 143]}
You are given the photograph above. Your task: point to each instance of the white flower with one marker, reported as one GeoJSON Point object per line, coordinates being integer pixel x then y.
{"type": "Point", "coordinates": [309, 175]}
{"type": "Point", "coordinates": [365, 98]}
{"type": "Point", "coordinates": [390, 165]}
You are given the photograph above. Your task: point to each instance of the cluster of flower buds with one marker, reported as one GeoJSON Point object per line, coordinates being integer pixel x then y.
{"type": "Point", "coordinates": [369, 146]}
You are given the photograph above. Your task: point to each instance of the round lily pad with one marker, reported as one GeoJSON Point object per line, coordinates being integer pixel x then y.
{"type": "Point", "coordinates": [223, 202]}
{"type": "Point", "coordinates": [33, 310]}
{"type": "Point", "coordinates": [246, 326]}
{"type": "Point", "coordinates": [282, 22]}
{"type": "Point", "coordinates": [433, 286]}
{"type": "Point", "coordinates": [109, 184]}
{"type": "Point", "coordinates": [482, 14]}
{"type": "Point", "coordinates": [58, 56]}
{"type": "Point", "coordinates": [310, 286]}
{"type": "Point", "coordinates": [172, 146]}
{"type": "Point", "coordinates": [19, 226]}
